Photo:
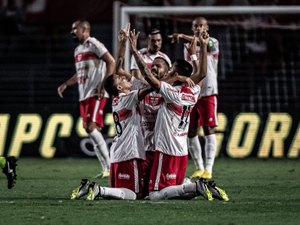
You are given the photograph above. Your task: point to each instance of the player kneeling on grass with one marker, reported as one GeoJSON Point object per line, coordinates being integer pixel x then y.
{"type": "Point", "coordinates": [127, 151]}
{"type": "Point", "coordinates": [171, 128]}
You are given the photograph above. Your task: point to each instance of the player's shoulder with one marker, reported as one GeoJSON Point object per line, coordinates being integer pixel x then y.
{"type": "Point", "coordinates": [214, 40]}
{"type": "Point", "coordinates": [95, 42]}
{"type": "Point", "coordinates": [143, 51]}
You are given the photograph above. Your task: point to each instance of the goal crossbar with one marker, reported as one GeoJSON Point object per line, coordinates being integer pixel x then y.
{"type": "Point", "coordinates": [122, 15]}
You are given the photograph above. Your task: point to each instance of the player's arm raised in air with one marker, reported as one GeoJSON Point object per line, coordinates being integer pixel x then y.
{"type": "Point", "coordinates": [175, 37]}
{"type": "Point", "coordinates": [151, 79]}
{"type": "Point", "coordinates": [201, 72]}
{"type": "Point", "coordinates": [123, 37]}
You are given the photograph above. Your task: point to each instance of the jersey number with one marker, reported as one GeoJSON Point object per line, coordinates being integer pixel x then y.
{"type": "Point", "coordinates": [184, 117]}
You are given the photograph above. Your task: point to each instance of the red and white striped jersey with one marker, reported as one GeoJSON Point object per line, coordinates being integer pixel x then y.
{"type": "Point", "coordinates": [128, 143]}
{"type": "Point", "coordinates": [90, 68]}
{"type": "Point", "coordinates": [148, 58]}
{"type": "Point", "coordinates": [148, 108]}
{"type": "Point", "coordinates": [210, 83]}
{"type": "Point", "coordinates": [172, 123]}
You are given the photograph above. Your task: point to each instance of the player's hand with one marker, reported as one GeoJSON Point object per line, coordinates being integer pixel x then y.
{"type": "Point", "coordinates": [100, 93]}
{"type": "Point", "coordinates": [189, 82]}
{"type": "Point", "coordinates": [175, 37]}
{"type": "Point", "coordinates": [133, 37]}
{"type": "Point", "coordinates": [191, 47]}
{"type": "Point", "coordinates": [124, 33]}
{"type": "Point", "coordinates": [204, 38]}
{"type": "Point", "coordinates": [61, 89]}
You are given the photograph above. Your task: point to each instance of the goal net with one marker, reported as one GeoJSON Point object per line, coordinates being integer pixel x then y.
{"type": "Point", "coordinates": [259, 50]}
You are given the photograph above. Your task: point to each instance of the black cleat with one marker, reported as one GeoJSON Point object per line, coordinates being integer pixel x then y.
{"type": "Point", "coordinates": [217, 192]}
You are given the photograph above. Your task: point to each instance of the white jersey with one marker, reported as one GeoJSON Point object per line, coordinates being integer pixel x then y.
{"type": "Point", "coordinates": [148, 108]}
{"type": "Point", "coordinates": [210, 83]}
{"type": "Point", "coordinates": [90, 68]}
{"type": "Point", "coordinates": [172, 123]}
{"type": "Point", "coordinates": [148, 58]}
{"type": "Point", "coordinates": [128, 144]}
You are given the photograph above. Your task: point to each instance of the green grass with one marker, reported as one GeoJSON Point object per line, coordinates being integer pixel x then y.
{"type": "Point", "coordinates": [260, 191]}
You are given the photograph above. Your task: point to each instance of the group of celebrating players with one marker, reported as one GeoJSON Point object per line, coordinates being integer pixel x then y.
{"type": "Point", "coordinates": [152, 106]}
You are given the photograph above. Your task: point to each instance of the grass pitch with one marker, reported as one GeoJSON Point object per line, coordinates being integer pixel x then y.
{"type": "Point", "coordinates": [260, 192]}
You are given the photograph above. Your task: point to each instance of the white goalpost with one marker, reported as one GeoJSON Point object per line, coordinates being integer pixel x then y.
{"type": "Point", "coordinates": [122, 14]}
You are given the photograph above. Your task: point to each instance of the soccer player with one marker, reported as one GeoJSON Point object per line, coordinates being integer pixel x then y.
{"type": "Point", "coordinates": [204, 114]}
{"type": "Point", "coordinates": [8, 166]}
{"type": "Point", "coordinates": [171, 155]}
{"type": "Point", "coordinates": [93, 64]}
{"type": "Point", "coordinates": [148, 54]}
{"type": "Point", "coordinates": [127, 150]}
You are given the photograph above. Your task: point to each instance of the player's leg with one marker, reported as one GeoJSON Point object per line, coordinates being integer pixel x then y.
{"type": "Point", "coordinates": [209, 121]}
{"type": "Point", "coordinates": [194, 143]}
{"type": "Point", "coordinates": [8, 166]}
{"type": "Point", "coordinates": [183, 191]}
{"type": "Point", "coordinates": [94, 120]}
{"type": "Point", "coordinates": [97, 191]}
{"type": "Point", "coordinates": [125, 182]}
{"type": "Point", "coordinates": [146, 169]}
{"type": "Point", "coordinates": [105, 169]}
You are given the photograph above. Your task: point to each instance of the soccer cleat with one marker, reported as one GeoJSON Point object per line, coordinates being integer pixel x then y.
{"type": "Point", "coordinates": [217, 192]}
{"type": "Point", "coordinates": [206, 175]}
{"type": "Point", "coordinates": [202, 189]}
{"type": "Point", "coordinates": [94, 192]}
{"type": "Point", "coordinates": [10, 171]}
{"type": "Point", "coordinates": [103, 174]}
{"type": "Point", "coordinates": [198, 173]}
{"type": "Point", "coordinates": [81, 190]}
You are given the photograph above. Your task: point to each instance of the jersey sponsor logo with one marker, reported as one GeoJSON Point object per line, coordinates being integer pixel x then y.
{"type": "Point", "coordinates": [186, 97]}
{"type": "Point", "coordinates": [179, 134]}
{"type": "Point", "coordinates": [85, 56]}
{"type": "Point", "coordinates": [171, 176]}
{"type": "Point", "coordinates": [123, 176]}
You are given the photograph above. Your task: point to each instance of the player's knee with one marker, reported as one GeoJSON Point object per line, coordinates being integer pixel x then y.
{"type": "Point", "coordinates": [155, 195]}
{"type": "Point", "coordinates": [90, 127]}
{"type": "Point", "coordinates": [208, 130]}
{"type": "Point", "coordinates": [193, 132]}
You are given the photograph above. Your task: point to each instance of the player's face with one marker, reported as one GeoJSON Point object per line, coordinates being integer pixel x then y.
{"type": "Point", "coordinates": [199, 26]}
{"type": "Point", "coordinates": [77, 32]}
{"type": "Point", "coordinates": [154, 43]}
{"type": "Point", "coordinates": [122, 84]}
{"type": "Point", "coordinates": [159, 68]}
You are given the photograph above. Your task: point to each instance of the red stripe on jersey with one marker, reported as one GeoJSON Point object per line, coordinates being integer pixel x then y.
{"type": "Point", "coordinates": [85, 56]}
{"type": "Point", "coordinates": [186, 90]}
{"type": "Point", "coordinates": [124, 114]}
{"type": "Point", "coordinates": [187, 94]}
{"type": "Point", "coordinates": [175, 108]}
{"type": "Point", "coordinates": [216, 56]}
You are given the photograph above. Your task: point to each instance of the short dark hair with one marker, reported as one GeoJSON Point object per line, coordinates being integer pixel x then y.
{"type": "Point", "coordinates": [185, 68]}
{"type": "Point", "coordinates": [110, 87]}
{"type": "Point", "coordinates": [154, 31]}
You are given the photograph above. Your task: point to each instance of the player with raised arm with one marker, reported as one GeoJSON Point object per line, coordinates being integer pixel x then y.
{"type": "Point", "coordinates": [127, 150]}
{"type": "Point", "coordinates": [204, 113]}
{"type": "Point", "coordinates": [171, 155]}
{"type": "Point", "coordinates": [93, 64]}
{"type": "Point", "coordinates": [148, 54]}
